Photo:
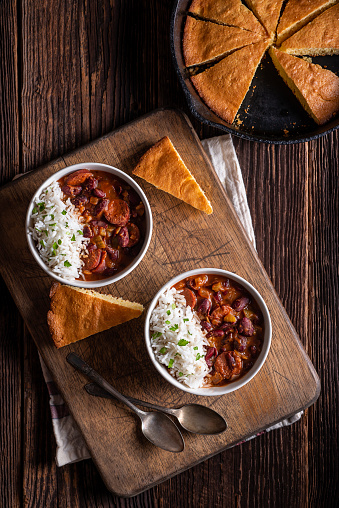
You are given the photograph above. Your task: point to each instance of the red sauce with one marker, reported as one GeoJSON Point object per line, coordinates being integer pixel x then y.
{"type": "Point", "coordinates": [233, 321]}
{"type": "Point", "coordinates": [114, 220]}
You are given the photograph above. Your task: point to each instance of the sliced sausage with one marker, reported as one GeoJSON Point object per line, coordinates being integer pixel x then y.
{"type": "Point", "coordinates": [100, 208]}
{"type": "Point", "coordinates": [92, 260]}
{"type": "Point", "coordinates": [70, 190]}
{"type": "Point", "coordinates": [117, 212]}
{"type": "Point", "coordinates": [124, 237]}
{"type": "Point", "coordinates": [102, 265]}
{"type": "Point", "coordinates": [92, 183]}
{"type": "Point", "coordinates": [134, 234]}
{"type": "Point", "coordinates": [190, 297]}
{"type": "Point", "coordinates": [78, 177]}
{"type": "Point", "coordinates": [245, 327]}
{"type": "Point", "coordinates": [221, 365]}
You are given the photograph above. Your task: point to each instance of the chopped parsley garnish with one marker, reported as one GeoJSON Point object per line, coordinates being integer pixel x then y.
{"type": "Point", "coordinates": [55, 246]}
{"type": "Point", "coordinates": [52, 216]}
{"type": "Point", "coordinates": [173, 306]}
{"type": "Point", "coordinates": [189, 333]}
{"type": "Point", "coordinates": [177, 354]}
{"type": "Point", "coordinates": [174, 328]}
{"type": "Point", "coordinates": [180, 374]}
{"type": "Point", "coordinates": [168, 312]}
{"type": "Point", "coordinates": [41, 206]}
{"type": "Point", "coordinates": [35, 210]}
{"type": "Point", "coordinates": [156, 335]}
{"type": "Point", "coordinates": [52, 225]}
{"type": "Point", "coordinates": [163, 350]}
{"type": "Point", "coordinates": [67, 263]}
{"type": "Point", "coordinates": [183, 342]}
{"type": "Point", "coordinates": [63, 212]}
{"type": "Point", "coordinates": [42, 243]}
{"type": "Point", "coordinates": [37, 229]}
{"type": "Point", "coordinates": [44, 216]}
{"type": "Point", "coordinates": [80, 232]}
{"type": "Point", "coordinates": [185, 319]}
{"type": "Point", "coordinates": [170, 365]}
{"type": "Point", "coordinates": [167, 322]}
{"type": "Point", "coordinates": [195, 348]}
{"type": "Point", "coordinates": [59, 242]}
{"type": "Point", "coordinates": [73, 238]}
{"type": "Point", "coordinates": [46, 232]}
{"type": "Point", "coordinates": [198, 357]}
{"type": "Point", "coordinates": [66, 225]}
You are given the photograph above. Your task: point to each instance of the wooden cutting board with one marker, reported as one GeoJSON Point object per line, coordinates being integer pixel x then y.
{"type": "Point", "coordinates": [183, 238]}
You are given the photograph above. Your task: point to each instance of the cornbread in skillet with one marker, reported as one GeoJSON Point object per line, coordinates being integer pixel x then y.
{"type": "Point", "coordinates": [163, 167]}
{"type": "Point", "coordinates": [223, 87]}
{"type": "Point", "coordinates": [229, 12]}
{"type": "Point", "coordinates": [316, 88]}
{"type": "Point", "coordinates": [203, 41]}
{"type": "Point", "coordinates": [77, 313]}
{"type": "Point", "coordinates": [298, 13]}
{"type": "Point", "coordinates": [268, 12]}
{"type": "Point", "coordinates": [319, 37]}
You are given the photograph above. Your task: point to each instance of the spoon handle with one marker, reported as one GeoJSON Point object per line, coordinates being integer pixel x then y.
{"type": "Point", "coordinates": [94, 389]}
{"type": "Point", "coordinates": [92, 374]}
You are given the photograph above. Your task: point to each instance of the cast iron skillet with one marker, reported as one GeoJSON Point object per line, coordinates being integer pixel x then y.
{"type": "Point", "coordinates": [270, 113]}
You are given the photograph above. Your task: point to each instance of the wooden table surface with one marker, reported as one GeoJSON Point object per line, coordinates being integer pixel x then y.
{"type": "Point", "coordinates": [72, 71]}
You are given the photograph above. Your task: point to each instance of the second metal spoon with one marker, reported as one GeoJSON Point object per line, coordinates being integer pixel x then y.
{"type": "Point", "coordinates": [195, 418]}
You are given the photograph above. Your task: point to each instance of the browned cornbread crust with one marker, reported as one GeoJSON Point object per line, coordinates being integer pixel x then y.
{"type": "Point", "coordinates": [268, 12]}
{"type": "Point", "coordinates": [163, 167]}
{"type": "Point", "coordinates": [203, 41]}
{"type": "Point", "coordinates": [319, 37]}
{"type": "Point", "coordinates": [77, 313]}
{"type": "Point", "coordinates": [316, 88]}
{"type": "Point", "coordinates": [298, 13]}
{"type": "Point", "coordinates": [223, 87]}
{"type": "Point", "coordinates": [230, 12]}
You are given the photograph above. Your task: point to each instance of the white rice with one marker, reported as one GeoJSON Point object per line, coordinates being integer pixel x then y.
{"type": "Point", "coordinates": [178, 340]}
{"type": "Point", "coordinates": [57, 233]}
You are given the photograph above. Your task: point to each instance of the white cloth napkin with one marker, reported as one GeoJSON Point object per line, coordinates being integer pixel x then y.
{"type": "Point", "coordinates": [70, 443]}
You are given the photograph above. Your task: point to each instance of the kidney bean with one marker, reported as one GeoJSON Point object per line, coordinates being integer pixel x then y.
{"type": "Point", "coordinates": [79, 200]}
{"type": "Point", "coordinates": [190, 283]}
{"type": "Point", "coordinates": [78, 177]}
{"type": "Point", "coordinates": [245, 327]}
{"type": "Point", "coordinates": [102, 265]}
{"type": "Point", "coordinates": [92, 260]}
{"type": "Point", "coordinates": [99, 193]}
{"type": "Point", "coordinates": [227, 327]}
{"type": "Point", "coordinates": [100, 207]}
{"type": "Point", "coordinates": [133, 197]}
{"type": "Point", "coordinates": [134, 234]}
{"type": "Point", "coordinates": [117, 187]}
{"type": "Point", "coordinates": [117, 212]}
{"type": "Point", "coordinates": [254, 351]}
{"type": "Point", "coordinates": [112, 253]}
{"type": "Point", "coordinates": [99, 223]}
{"type": "Point", "coordinates": [211, 351]}
{"type": "Point", "coordinates": [218, 296]}
{"type": "Point", "coordinates": [110, 271]}
{"type": "Point", "coordinates": [216, 333]}
{"type": "Point", "coordinates": [124, 237]}
{"type": "Point", "coordinates": [204, 306]}
{"type": "Point", "coordinates": [230, 359]}
{"type": "Point", "coordinates": [205, 325]}
{"type": "Point", "coordinates": [87, 232]}
{"type": "Point", "coordinates": [70, 190]}
{"type": "Point", "coordinates": [91, 246]}
{"type": "Point", "coordinates": [190, 297]}
{"type": "Point", "coordinates": [240, 303]}
{"type": "Point", "coordinates": [91, 184]}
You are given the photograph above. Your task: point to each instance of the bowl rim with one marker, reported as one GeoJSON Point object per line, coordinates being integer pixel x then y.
{"type": "Point", "coordinates": [95, 166]}
{"type": "Point", "coordinates": [235, 385]}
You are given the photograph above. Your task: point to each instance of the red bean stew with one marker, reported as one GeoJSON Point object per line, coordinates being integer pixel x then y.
{"type": "Point", "coordinates": [233, 321]}
{"type": "Point", "coordinates": [114, 218]}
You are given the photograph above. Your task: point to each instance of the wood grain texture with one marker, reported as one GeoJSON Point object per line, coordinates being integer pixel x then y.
{"type": "Point", "coordinates": [178, 232]}
{"type": "Point", "coordinates": [295, 466]}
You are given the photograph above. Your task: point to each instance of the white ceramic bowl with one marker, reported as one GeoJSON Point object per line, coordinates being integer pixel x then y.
{"type": "Point", "coordinates": [234, 385]}
{"type": "Point", "coordinates": [148, 217]}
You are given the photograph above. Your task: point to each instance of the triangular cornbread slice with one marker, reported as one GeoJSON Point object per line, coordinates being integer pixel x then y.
{"type": "Point", "coordinates": [223, 87]}
{"type": "Point", "coordinates": [229, 12]}
{"type": "Point", "coordinates": [268, 12]}
{"type": "Point", "coordinates": [203, 41]}
{"type": "Point", "coordinates": [319, 37]}
{"type": "Point", "coordinates": [163, 167]}
{"type": "Point", "coordinates": [298, 13]}
{"type": "Point", "coordinates": [316, 88]}
{"type": "Point", "coordinates": [77, 313]}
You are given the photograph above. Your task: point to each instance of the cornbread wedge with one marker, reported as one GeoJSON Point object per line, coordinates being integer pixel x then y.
{"type": "Point", "coordinates": [163, 167]}
{"type": "Point", "coordinates": [298, 13]}
{"type": "Point", "coordinates": [203, 41]}
{"type": "Point", "coordinates": [229, 12]}
{"type": "Point", "coordinates": [77, 313]}
{"type": "Point", "coordinates": [319, 37]}
{"type": "Point", "coordinates": [223, 87]}
{"type": "Point", "coordinates": [316, 88]}
{"type": "Point", "coordinates": [268, 12]}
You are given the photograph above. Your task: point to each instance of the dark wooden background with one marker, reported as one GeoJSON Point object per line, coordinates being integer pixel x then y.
{"type": "Point", "coordinates": [72, 70]}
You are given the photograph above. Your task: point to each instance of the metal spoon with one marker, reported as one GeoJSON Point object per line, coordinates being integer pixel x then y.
{"type": "Point", "coordinates": [192, 417]}
{"type": "Point", "coordinates": [156, 427]}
